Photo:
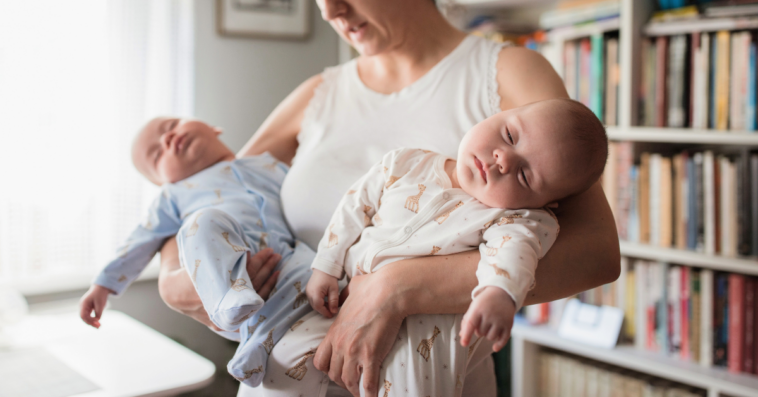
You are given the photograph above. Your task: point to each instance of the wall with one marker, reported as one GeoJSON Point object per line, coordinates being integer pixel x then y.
{"type": "Point", "coordinates": [238, 82]}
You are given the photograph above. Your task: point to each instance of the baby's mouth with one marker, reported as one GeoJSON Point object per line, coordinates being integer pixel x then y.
{"type": "Point", "coordinates": [480, 167]}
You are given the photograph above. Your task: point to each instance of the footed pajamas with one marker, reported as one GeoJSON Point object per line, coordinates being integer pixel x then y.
{"type": "Point", "coordinates": [405, 207]}
{"type": "Point", "coordinates": [219, 215]}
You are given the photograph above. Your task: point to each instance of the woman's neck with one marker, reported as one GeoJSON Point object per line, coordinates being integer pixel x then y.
{"type": "Point", "coordinates": [423, 46]}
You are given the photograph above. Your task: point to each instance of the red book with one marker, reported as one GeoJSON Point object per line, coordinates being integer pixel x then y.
{"type": "Point", "coordinates": [661, 55]}
{"type": "Point", "coordinates": [684, 299]}
{"type": "Point", "coordinates": [748, 359]}
{"type": "Point", "coordinates": [736, 318]}
{"type": "Point", "coordinates": [755, 329]}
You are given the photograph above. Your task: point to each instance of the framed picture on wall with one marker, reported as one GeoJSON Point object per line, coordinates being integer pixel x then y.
{"type": "Point", "coordinates": [287, 19]}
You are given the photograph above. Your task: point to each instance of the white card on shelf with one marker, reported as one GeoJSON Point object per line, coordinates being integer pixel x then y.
{"type": "Point", "coordinates": [592, 325]}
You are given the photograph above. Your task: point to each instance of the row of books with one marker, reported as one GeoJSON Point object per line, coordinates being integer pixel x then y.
{"type": "Point", "coordinates": [591, 74]}
{"type": "Point", "coordinates": [687, 313]}
{"type": "Point", "coordinates": [564, 375]}
{"type": "Point", "coordinates": [699, 201]}
{"type": "Point", "coordinates": [699, 80]}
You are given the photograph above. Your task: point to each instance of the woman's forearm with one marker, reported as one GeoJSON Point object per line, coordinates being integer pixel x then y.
{"type": "Point", "coordinates": [585, 255]}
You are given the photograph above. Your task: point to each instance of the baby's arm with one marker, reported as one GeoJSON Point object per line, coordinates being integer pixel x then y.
{"type": "Point", "coordinates": [512, 247]}
{"type": "Point", "coordinates": [351, 217]}
{"type": "Point", "coordinates": [133, 256]}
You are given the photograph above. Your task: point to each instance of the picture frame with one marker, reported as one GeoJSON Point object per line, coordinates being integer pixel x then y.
{"type": "Point", "coordinates": [279, 19]}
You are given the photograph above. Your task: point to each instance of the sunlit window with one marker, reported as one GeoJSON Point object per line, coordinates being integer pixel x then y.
{"type": "Point", "coordinates": [77, 80]}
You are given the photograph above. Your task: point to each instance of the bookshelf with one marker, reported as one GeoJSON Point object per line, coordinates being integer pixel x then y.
{"type": "Point", "coordinates": [633, 27]}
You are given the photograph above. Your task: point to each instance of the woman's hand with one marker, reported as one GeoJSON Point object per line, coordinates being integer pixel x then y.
{"type": "Point", "coordinates": [176, 287]}
{"type": "Point", "coordinates": [362, 334]}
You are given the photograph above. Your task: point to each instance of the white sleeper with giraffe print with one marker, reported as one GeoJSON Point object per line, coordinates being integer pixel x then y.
{"type": "Point", "coordinates": [405, 207]}
{"type": "Point", "coordinates": [219, 215]}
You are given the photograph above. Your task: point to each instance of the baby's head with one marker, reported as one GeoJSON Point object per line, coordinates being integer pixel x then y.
{"type": "Point", "coordinates": [169, 149]}
{"type": "Point", "coordinates": [533, 155]}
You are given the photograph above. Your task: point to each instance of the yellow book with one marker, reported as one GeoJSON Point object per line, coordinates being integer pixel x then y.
{"type": "Point", "coordinates": [680, 218]}
{"type": "Point", "coordinates": [722, 80]}
{"type": "Point", "coordinates": [629, 300]}
{"type": "Point", "coordinates": [665, 202]}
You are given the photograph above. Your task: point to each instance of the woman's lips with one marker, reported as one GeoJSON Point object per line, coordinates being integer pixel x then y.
{"type": "Point", "coordinates": [480, 167]}
{"type": "Point", "coordinates": [356, 33]}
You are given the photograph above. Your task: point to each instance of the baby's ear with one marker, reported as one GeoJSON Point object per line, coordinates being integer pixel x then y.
{"type": "Point", "coordinates": [218, 130]}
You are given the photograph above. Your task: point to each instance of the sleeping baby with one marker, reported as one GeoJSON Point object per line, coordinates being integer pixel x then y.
{"type": "Point", "coordinates": [511, 167]}
{"type": "Point", "coordinates": [221, 209]}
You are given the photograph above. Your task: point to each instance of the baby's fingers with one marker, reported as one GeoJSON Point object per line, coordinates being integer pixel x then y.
{"type": "Point", "coordinates": [469, 324]}
{"type": "Point", "coordinates": [334, 298]}
{"type": "Point", "coordinates": [317, 303]}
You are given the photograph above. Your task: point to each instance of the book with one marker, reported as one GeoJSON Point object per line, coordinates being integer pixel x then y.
{"type": "Point", "coordinates": [721, 320]}
{"type": "Point", "coordinates": [655, 199]}
{"type": "Point", "coordinates": [661, 47]}
{"type": "Point", "coordinates": [585, 72]}
{"type": "Point", "coordinates": [722, 80]}
{"type": "Point", "coordinates": [751, 123]}
{"type": "Point", "coordinates": [736, 318]}
{"type": "Point", "coordinates": [699, 79]}
{"type": "Point", "coordinates": [713, 63]}
{"type": "Point", "coordinates": [640, 304]}
{"type": "Point", "coordinates": [729, 8]}
{"type": "Point", "coordinates": [674, 310]}
{"type": "Point", "coordinates": [570, 68]}
{"type": "Point", "coordinates": [709, 218]}
{"type": "Point", "coordinates": [748, 363]}
{"type": "Point", "coordinates": [644, 198]}
{"type": "Point", "coordinates": [675, 81]}
{"type": "Point", "coordinates": [612, 76]}
{"type": "Point", "coordinates": [660, 275]}
{"type": "Point", "coordinates": [738, 81]}
{"type": "Point", "coordinates": [680, 202]}
{"type": "Point", "coordinates": [624, 162]}
{"type": "Point", "coordinates": [692, 217]}
{"type": "Point", "coordinates": [665, 203]}
{"type": "Point", "coordinates": [630, 307]}
{"type": "Point", "coordinates": [754, 204]}
{"type": "Point", "coordinates": [744, 206]}
{"type": "Point", "coordinates": [699, 203]}
{"type": "Point", "coordinates": [707, 303]}
{"type": "Point", "coordinates": [596, 75]}
{"type": "Point", "coordinates": [684, 313]}
{"type": "Point", "coordinates": [573, 14]}
{"type": "Point", "coordinates": [695, 315]}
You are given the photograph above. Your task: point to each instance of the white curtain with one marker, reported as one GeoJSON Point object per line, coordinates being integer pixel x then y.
{"type": "Point", "coordinates": [77, 80]}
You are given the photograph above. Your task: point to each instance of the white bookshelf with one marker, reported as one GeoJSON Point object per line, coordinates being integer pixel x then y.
{"type": "Point", "coordinates": [527, 340]}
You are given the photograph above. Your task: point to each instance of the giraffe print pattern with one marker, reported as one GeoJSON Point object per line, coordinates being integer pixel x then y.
{"type": "Point", "coordinates": [333, 240]}
{"type": "Point", "coordinates": [193, 227]}
{"type": "Point", "coordinates": [435, 249]}
{"type": "Point", "coordinates": [473, 346]}
{"type": "Point", "coordinates": [300, 298]}
{"type": "Point", "coordinates": [299, 370]}
{"type": "Point", "coordinates": [296, 324]}
{"type": "Point", "coordinates": [443, 217]}
{"type": "Point", "coordinates": [387, 386]}
{"type": "Point", "coordinates": [236, 248]}
{"type": "Point", "coordinates": [268, 344]}
{"type": "Point", "coordinates": [226, 170]}
{"type": "Point", "coordinates": [366, 219]}
{"type": "Point", "coordinates": [219, 199]}
{"type": "Point", "coordinates": [377, 220]}
{"type": "Point", "coordinates": [194, 272]}
{"type": "Point", "coordinates": [237, 284]}
{"type": "Point", "coordinates": [507, 220]}
{"type": "Point", "coordinates": [122, 278]}
{"type": "Point", "coordinates": [391, 181]}
{"type": "Point", "coordinates": [271, 166]}
{"type": "Point", "coordinates": [189, 185]}
{"type": "Point", "coordinates": [250, 373]}
{"type": "Point", "coordinates": [263, 244]}
{"type": "Point", "coordinates": [243, 319]}
{"type": "Point", "coordinates": [493, 251]}
{"type": "Point", "coordinates": [411, 203]}
{"type": "Point", "coordinates": [351, 191]}
{"type": "Point", "coordinates": [500, 272]}
{"type": "Point", "coordinates": [252, 328]}
{"type": "Point", "coordinates": [425, 347]}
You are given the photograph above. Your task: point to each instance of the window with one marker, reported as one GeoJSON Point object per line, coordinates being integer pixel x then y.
{"type": "Point", "coordinates": [77, 80]}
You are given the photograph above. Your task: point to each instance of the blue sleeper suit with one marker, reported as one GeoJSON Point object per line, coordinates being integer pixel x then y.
{"type": "Point", "coordinates": [218, 215]}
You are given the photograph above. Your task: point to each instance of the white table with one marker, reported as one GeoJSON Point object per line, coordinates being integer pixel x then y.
{"type": "Point", "coordinates": [124, 357]}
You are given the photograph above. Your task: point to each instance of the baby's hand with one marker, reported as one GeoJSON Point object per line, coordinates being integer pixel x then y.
{"type": "Point", "coordinates": [94, 300]}
{"type": "Point", "coordinates": [490, 315]}
{"type": "Point", "coordinates": [323, 285]}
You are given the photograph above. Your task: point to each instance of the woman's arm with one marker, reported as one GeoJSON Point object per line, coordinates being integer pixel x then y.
{"type": "Point", "coordinates": [278, 133]}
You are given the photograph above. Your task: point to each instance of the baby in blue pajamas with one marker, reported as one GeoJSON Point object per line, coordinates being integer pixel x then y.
{"type": "Point", "coordinates": [219, 208]}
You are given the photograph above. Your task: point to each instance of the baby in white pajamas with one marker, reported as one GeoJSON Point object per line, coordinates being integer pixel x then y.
{"type": "Point", "coordinates": [413, 203]}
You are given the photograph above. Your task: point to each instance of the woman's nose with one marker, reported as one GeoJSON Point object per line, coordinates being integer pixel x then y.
{"type": "Point", "coordinates": [331, 9]}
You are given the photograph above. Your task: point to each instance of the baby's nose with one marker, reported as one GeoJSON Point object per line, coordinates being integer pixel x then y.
{"type": "Point", "coordinates": [166, 139]}
{"type": "Point", "coordinates": [501, 160]}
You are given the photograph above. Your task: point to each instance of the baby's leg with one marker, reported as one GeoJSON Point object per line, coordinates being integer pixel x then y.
{"type": "Point", "coordinates": [213, 250]}
{"type": "Point", "coordinates": [427, 358]}
{"type": "Point", "coordinates": [290, 370]}
{"type": "Point", "coordinates": [286, 305]}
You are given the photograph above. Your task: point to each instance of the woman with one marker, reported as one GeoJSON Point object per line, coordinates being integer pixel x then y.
{"type": "Point", "coordinates": [419, 82]}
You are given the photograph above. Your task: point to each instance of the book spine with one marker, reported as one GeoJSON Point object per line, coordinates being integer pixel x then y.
{"type": "Point", "coordinates": [696, 313]}
{"type": "Point", "coordinates": [735, 99]}
{"type": "Point", "coordinates": [675, 81]}
{"type": "Point", "coordinates": [721, 320]}
{"type": "Point", "coordinates": [724, 170]}
{"type": "Point", "coordinates": [750, 103]}
{"type": "Point", "coordinates": [748, 365]}
{"type": "Point", "coordinates": [704, 91]}
{"type": "Point", "coordinates": [691, 204]}
{"type": "Point", "coordinates": [680, 225]}
{"type": "Point", "coordinates": [640, 304]}
{"type": "Point", "coordinates": [722, 80]}
{"type": "Point", "coordinates": [743, 204]}
{"type": "Point", "coordinates": [655, 199]}
{"type": "Point", "coordinates": [684, 312]}
{"type": "Point", "coordinates": [662, 316]}
{"type": "Point", "coordinates": [611, 81]}
{"type": "Point", "coordinates": [596, 76]}
{"type": "Point", "coordinates": [569, 68]}
{"type": "Point", "coordinates": [585, 70]}
{"type": "Point", "coordinates": [754, 204]}
{"type": "Point", "coordinates": [712, 66]}
{"type": "Point", "coordinates": [666, 203]}
{"type": "Point", "coordinates": [699, 203]}
{"type": "Point", "coordinates": [661, 46]}
{"type": "Point", "coordinates": [644, 198]}
{"type": "Point", "coordinates": [695, 53]}
{"type": "Point", "coordinates": [709, 204]}
{"type": "Point", "coordinates": [736, 320]}
{"type": "Point", "coordinates": [707, 304]}
{"type": "Point", "coordinates": [674, 310]}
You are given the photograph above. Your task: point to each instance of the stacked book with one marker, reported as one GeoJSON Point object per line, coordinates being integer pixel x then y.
{"type": "Point", "coordinates": [591, 74]}
{"type": "Point", "coordinates": [703, 80]}
{"type": "Point", "coordinates": [693, 200]}
{"type": "Point", "coordinates": [562, 374]}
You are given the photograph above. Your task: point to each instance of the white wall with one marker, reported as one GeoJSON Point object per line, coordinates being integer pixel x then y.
{"type": "Point", "coordinates": [239, 81]}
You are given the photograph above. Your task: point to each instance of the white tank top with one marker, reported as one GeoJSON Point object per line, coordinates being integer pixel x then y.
{"type": "Point", "coordinates": [347, 128]}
